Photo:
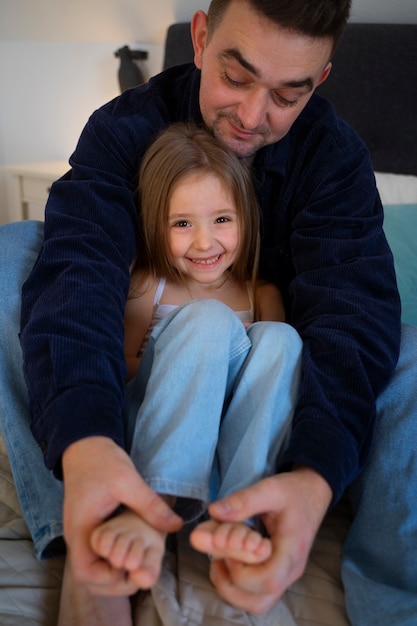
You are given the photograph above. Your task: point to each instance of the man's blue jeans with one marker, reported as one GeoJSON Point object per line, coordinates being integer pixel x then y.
{"type": "Point", "coordinates": [19, 247]}
{"type": "Point", "coordinates": [380, 555]}
{"type": "Point", "coordinates": [380, 560]}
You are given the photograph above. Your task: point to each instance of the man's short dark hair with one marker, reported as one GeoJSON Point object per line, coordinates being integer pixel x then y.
{"type": "Point", "coordinates": [315, 18]}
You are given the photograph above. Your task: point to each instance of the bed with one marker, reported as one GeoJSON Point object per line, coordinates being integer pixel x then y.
{"type": "Point", "coordinates": [373, 88]}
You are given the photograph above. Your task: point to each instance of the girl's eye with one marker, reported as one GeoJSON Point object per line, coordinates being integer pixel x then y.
{"type": "Point", "coordinates": [222, 220]}
{"type": "Point", "coordinates": [181, 224]}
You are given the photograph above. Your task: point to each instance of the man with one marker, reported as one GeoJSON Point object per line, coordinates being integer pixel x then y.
{"type": "Point", "coordinates": [322, 243]}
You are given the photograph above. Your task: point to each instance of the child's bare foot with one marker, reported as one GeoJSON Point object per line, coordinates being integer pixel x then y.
{"type": "Point", "coordinates": [130, 544]}
{"type": "Point", "coordinates": [231, 540]}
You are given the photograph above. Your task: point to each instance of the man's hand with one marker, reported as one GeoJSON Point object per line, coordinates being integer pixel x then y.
{"type": "Point", "coordinates": [99, 476]}
{"type": "Point", "coordinates": [292, 506]}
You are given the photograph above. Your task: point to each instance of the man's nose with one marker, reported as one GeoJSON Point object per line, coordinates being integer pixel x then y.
{"type": "Point", "coordinates": [252, 109]}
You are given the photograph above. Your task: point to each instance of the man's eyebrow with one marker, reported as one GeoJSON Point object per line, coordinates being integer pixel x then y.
{"type": "Point", "coordinates": [291, 84]}
{"type": "Point", "coordinates": [297, 84]}
{"type": "Point", "coordinates": [235, 54]}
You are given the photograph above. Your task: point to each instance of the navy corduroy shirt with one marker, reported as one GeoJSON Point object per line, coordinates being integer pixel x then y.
{"type": "Point", "coordinates": [322, 244]}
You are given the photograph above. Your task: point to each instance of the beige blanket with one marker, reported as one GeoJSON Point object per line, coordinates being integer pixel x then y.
{"type": "Point", "coordinates": [184, 596]}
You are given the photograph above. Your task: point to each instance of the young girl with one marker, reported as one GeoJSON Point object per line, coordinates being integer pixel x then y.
{"type": "Point", "coordinates": [200, 230]}
{"type": "Point", "coordinates": [198, 436]}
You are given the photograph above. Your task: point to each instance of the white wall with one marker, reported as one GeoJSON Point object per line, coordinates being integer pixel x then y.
{"type": "Point", "coordinates": [57, 64]}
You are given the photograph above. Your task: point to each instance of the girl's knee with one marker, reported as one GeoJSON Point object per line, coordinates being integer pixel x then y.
{"type": "Point", "coordinates": [202, 322]}
{"type": "Point", "coordinates": [206, 313]}
{"type": "Point", "coordinates": [277, 334]}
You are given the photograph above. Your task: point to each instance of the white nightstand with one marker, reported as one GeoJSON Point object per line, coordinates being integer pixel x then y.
{"type": "Point", "coordinates": [31, 183]}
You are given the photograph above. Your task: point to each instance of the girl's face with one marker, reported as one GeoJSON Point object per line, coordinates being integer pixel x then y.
{"type": "Point", "coordinates": [203, 229]}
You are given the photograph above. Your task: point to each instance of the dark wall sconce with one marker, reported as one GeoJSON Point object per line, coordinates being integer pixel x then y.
{"type": "Point", "coordinates": [130, 74]}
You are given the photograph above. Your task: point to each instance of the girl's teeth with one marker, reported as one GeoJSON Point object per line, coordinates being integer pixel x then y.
{"type": "Point", "coordinates": [207, 261]}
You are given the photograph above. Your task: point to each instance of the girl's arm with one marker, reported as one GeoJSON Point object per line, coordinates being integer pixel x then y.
{"type": "Point", "coordinates": [138, 316]}
{"type": "Point", "coordinates": [269, 303]}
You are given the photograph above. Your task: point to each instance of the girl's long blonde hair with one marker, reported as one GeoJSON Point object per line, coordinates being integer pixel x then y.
{"type": "Point", "coordinates": [180, 150]}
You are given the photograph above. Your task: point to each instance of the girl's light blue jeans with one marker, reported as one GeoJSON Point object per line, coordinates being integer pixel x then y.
{"type": "Point", "coordinates": [212, 403]}
{"type": "Point", "coordinates": [380, 558]}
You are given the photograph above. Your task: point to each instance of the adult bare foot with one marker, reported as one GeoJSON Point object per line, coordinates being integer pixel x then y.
{"type": "Point", "coordinates": [128, 543]}
{"type": "Point", "coordinates": [231, 540]}
{"type": "Point", "coordinates": [79, 607]}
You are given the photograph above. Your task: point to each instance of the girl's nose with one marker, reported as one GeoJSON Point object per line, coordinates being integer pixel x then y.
{"type": "Point", "coordinates": [203, 239]}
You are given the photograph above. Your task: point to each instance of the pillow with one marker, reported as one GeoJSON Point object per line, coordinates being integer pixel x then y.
{"type": "Point", "coordinates": [400, 226]}
{"type": "Point", "coordinates": [396, 188]}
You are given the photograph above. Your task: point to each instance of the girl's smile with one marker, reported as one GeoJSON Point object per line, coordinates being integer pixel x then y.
{"type": "Point", "coordinates": [206, 262]}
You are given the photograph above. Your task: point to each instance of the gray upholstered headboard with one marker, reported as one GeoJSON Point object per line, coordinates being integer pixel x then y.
{"type": "Point", "coordinates": [373, 85]}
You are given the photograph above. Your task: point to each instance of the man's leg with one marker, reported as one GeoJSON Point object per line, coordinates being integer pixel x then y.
{"type": "Point", "coordinates": [40, 494]}
{"type": "Point", "coordinates": [380, 557]}
{"type": "Point", "coordinates": [20, 243]}
{"type": "Point", "coordinates": [79, 607]}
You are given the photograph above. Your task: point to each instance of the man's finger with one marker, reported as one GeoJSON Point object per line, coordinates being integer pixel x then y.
{"type": "Point", "coordinates": [246, 503]}
{"type": "Point", "coordinates": [151, 508]}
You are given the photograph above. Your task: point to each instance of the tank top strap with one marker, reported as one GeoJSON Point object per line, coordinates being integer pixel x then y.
{"type": "Point", "coordinates": [159, 290]}
{"type": "Point", "coordinates": [250, 295]}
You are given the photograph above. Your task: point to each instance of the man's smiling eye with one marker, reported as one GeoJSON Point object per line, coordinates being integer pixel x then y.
{"type": "Point", "coordinates": [278, 98]}
{"type": "Point", "coordinates": [288, 103]}
{"type": "Point", "coordinates": [230, 81]}
{"type": "Point", "coordinates": [281, 101]}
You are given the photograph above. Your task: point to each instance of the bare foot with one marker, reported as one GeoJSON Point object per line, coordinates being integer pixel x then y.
{"type": "Point", "coordinates": [79, 607]}
{"type": "Point", "coordinates": [128, 543]}
{"type": "Point", "coordinates": [231, 540]}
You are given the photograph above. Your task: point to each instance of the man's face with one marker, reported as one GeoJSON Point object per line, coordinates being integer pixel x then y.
{"type": "Point", "coordinates": [256, 77]}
